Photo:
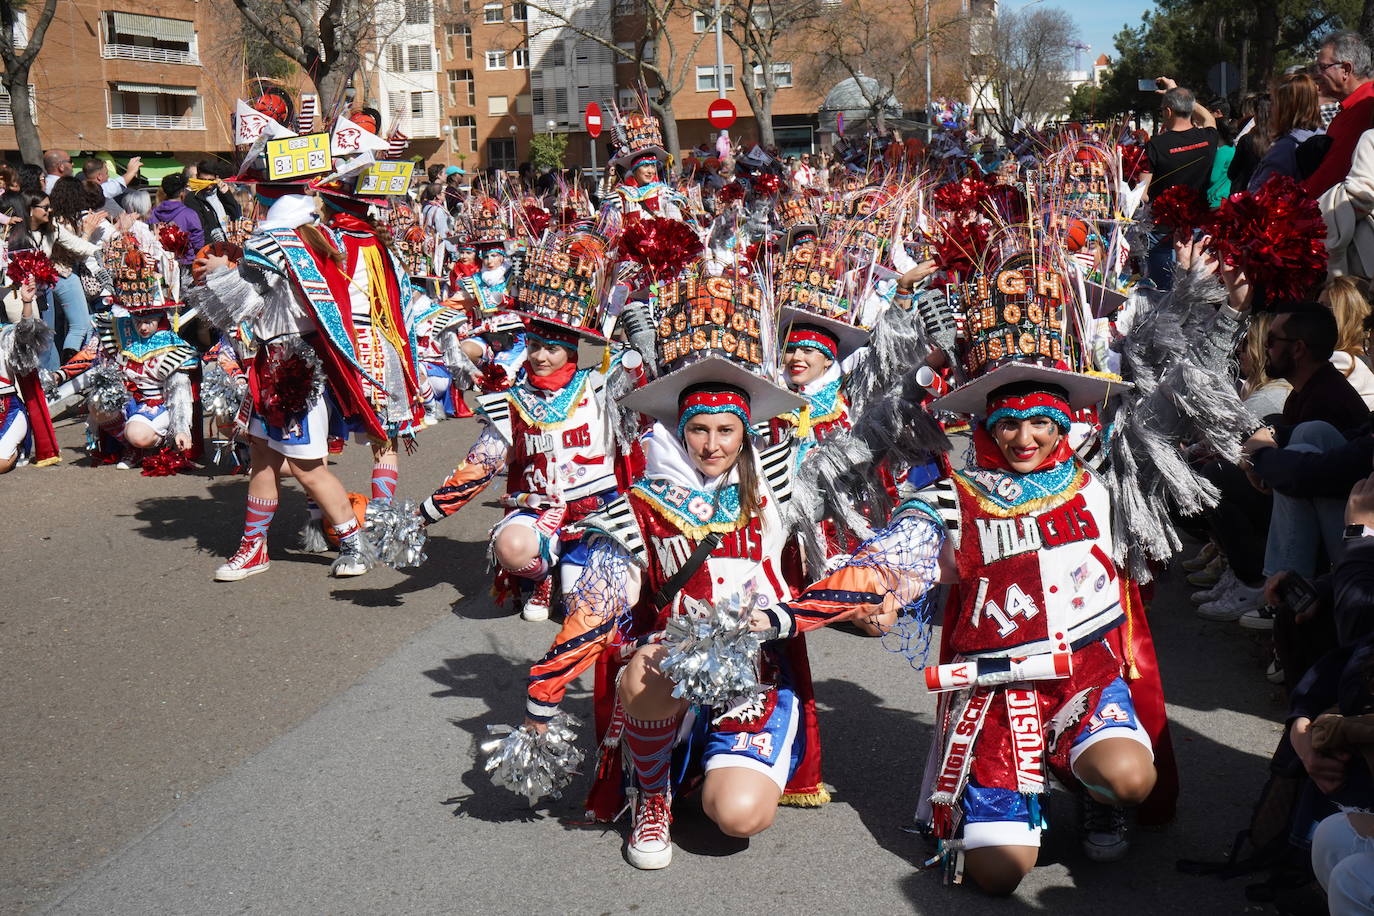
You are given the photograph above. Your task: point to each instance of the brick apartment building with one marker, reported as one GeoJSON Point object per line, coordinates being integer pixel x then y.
{"type": "Point", "coordinates": [122, 77]}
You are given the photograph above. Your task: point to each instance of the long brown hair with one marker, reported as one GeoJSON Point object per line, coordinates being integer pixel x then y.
{"type": "Point", "coordinates": [1294, 106]}
{"type": "Point", "coordinates": [750, 503]}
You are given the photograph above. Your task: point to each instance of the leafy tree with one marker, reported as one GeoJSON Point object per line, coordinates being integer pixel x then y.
{"type": "Point", "coordinates": [547, 149]}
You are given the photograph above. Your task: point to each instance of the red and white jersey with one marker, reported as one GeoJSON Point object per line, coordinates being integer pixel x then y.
{"type": "Point", "coordinates": [1035, 562]}
{"type": "Point", "coordinates": [558, 443]}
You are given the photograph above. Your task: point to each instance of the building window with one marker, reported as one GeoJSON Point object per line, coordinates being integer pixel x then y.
{"type": "Point", "coordinates": [464, 133]}
{"type": "Point", "coordinates": [706, 78]}
{"type": "Point", "coordinates": [419, 58]}
{"type": "Point", "coordinates": [417, 12]}
{"type": "Point", "coordinates": [7, 115]}
{"type": "Point", "coordinates": [146, 106]}
{"type": "Point", "coordinates": [133, 36]}
{"type": "Point", "coordinates": [496, 60]}
{"type": "Point", "coordinates": [627, 48]}
{"type": "Point", "coordinates": [421, 113]}
{"type": "Point", "coordinates": [493, 12]}
{"type": "Point", "coordinates": [520, 59]}
{"type": "Point", "coordinates": [497, 105]}
{"type": "Point", "coordinates": [523, 105]}
{"type": "Point", "coordinates": [394, 62]}
{"type": "Point", "coordinates": [19, 35]}
{"type": "Point", "coordinates": [782, 76]}
{"type": "Point", "coordinates": [501, 153]}
{"type": "Point", "coordinates": [627, 100]}
{"type": "Point", "coordinates": [464, 32]}
{"type": "Point", "coordinates": [519, 12]}
{"type": "Point", "coordinates": [462, 88]}
{"type": "Point", "coordinates": [558, 55]}
{"type": "Point", "coordinates": [700, 22]}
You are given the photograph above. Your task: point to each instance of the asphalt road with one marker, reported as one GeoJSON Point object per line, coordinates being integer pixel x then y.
{"type": "Point", "coordinates": [292, 744]}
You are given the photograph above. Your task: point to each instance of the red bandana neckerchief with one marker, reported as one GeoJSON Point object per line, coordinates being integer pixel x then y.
{"type": "Point", "coordinates": [555, 380]}
{"type": "Point", "coordinates": [987, 454]}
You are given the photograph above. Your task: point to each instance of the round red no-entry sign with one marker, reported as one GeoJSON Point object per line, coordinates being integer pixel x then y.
{"type": "Point", "coordinates": [593, 119]}
{"type": "Point", "coordinates": [721, 114]}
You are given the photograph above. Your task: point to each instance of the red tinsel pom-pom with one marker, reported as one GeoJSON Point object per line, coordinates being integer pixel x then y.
{"type": "Point", "coordinates": [665, 246]}
{"type": "Point", "coordinates": [962, 246]}
{"type": "Point", "coordinates": [538, 219]}
{"type": "Point", "coordinates": [1181, 208]}
{"type": "Point", "coordinates": [767, 184]}
{"type": "Point", "coordinates": [961, 197]}
{"type": "Point", "coordinates": [165, 463]}
{"type": "Point", "coordinates": [31, 265]}
{"type": "Point", "coordinates": [173, 239]}
{"type": "Point", "coordinates": [1132, 162]}
{"type": "Point", "coordinates": [1275, 236]}
{"type": "Point", "coordinates": [730, 193]}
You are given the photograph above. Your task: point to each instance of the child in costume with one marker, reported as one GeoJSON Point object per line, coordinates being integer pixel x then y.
{"type": "Point", "coordinates": [555, 432]}
{"type": "Point", "coordinates": [136, 349]}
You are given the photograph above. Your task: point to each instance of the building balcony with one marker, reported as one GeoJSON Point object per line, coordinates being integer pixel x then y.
{"type": "Point", "coordinates": [113, 51]}
{"type": "Point", "coordinates": [156, 122]}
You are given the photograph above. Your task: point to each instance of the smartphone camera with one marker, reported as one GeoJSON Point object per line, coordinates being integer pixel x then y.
{"type": "Point", "coordinates": [1147, 85]}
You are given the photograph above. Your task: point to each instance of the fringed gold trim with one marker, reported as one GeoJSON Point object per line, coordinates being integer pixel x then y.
{"type": "Point", "coordinates": [806, 799]}
{"type": "Point", "coordinates": [1028, 507]}
{"type": "Point", "coordinates": [56, 459]}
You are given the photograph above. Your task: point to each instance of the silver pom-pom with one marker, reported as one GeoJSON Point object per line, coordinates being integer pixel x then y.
{"type": "Point", "coordinates": [106, 396]}
{"type": "Point", "coordinates": [532, 764]}
{"type": "Point", "coordinates": [713, 657]}
{"type": "Point", "coordinates": [396, 532]}
{"type": "Point", "coordinates": [220, 393]}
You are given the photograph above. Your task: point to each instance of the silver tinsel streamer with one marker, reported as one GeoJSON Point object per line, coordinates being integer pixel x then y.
{"type": "Point", "coordinates": [532, 764]}
{"type": "Point", "coordinates": [106, 395]}
{"type": "Point", "coordinates": [396, 532]}
{"type": "Point", "coordinates": [220, 394]}
{"type": "Point", "coordinates": [713, 657]}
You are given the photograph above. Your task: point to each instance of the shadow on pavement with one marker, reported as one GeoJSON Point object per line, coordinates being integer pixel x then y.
{"type": "Point", "coordinates": [461, 564]}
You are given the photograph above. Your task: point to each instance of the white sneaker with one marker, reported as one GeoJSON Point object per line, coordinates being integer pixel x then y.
{"type": "Point", "coordinates": [249, 560]}
{"type": "Point", "coordinates": [534, 610]}
{"type": "Point", "coordinates": [1224, 584]}
{"type": "Point", "coordinates": [348, 564]}
{"type": "Point", "coordinates": [1233, 605]}
{"type": "Point", "coordinates": [1261, 618]}
{"type": "Point", "coordinates": [650, 845]}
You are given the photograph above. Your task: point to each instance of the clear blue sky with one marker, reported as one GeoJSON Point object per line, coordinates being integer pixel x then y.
{"type": "Point", "coordinates": [1098, 20]}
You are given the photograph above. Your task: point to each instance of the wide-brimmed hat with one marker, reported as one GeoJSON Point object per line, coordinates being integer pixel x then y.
{"type": "Point", "coordinates": [1083, 390]}
{"type": "Point", "coordinates": [659, 399]}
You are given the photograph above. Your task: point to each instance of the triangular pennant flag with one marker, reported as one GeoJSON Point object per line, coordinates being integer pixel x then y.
{"type": "Point", "coordinates": [349, 138]}
{"type": "Point", "coordinates": [252, 124]}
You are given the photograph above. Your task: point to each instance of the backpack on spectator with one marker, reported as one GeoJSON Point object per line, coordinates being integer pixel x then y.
{"type": "Point", "coordinates": [1310, 153]}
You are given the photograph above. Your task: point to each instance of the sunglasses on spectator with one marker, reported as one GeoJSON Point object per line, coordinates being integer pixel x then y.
{"type": "Point", "coordinates": [1324, 67]}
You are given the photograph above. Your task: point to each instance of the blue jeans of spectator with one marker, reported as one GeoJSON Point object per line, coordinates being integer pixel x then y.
{"type": "Point", "coordinates": [69, 296]}
{"type": "Point", "coordinates": [1298, 526]}
{"type": "Point", "coordinates": [1159, 263]}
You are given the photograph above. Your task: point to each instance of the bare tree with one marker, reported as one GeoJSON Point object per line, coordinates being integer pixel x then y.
{"type": "Point", "coordinates": [1021, 63]}
{"type": "Point", "coordinates": [325, 38]}
{"type": "Point", "coordinates": [18, 60]}
{"type": "Point", "coordinates": [661, 63]}
{"type": "Point", "coordinates": [884, 47]}
{"type": "Point", "coordinates": [763, 30]}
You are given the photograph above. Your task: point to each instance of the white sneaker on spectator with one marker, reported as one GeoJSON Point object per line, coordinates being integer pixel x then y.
{"type": "Point", "coordinates": [1227, 582]}
{"type": "Point", "coordinates": [1233, 605]}
{"type": "Point", "coordinates": [1261, 618]}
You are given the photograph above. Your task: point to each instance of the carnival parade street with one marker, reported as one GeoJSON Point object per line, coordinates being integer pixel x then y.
{"type": "Point", "coordinates": [298, 744]}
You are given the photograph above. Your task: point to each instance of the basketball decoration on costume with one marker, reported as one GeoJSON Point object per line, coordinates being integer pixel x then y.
{"type": "Point", "coordinates": [1076, 235]}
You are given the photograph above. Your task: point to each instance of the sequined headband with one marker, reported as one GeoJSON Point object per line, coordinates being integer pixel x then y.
{"type": "Point", "coordinates": [696, 401]}
{"type": "Point", "coordinates": [814, 338]}
{"type": "Point", "coordinates": [1032, 404]}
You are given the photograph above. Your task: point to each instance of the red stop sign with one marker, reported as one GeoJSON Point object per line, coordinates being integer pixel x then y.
{"type": "Point", "coordinates": [721, 114]}
{"type": "Point", "coordinates": [593, 120]}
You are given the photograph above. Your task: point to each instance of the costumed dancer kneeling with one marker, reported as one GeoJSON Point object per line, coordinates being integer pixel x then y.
{"type": "Point", "coordinates": [556, 432]}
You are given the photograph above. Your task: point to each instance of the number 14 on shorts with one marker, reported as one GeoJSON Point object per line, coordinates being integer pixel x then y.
{"type": "Point", "coordinates": [761, 744]}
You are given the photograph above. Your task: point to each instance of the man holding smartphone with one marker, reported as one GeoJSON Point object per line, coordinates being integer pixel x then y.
{"type": "Point", "coordinates": [1180, 154]}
